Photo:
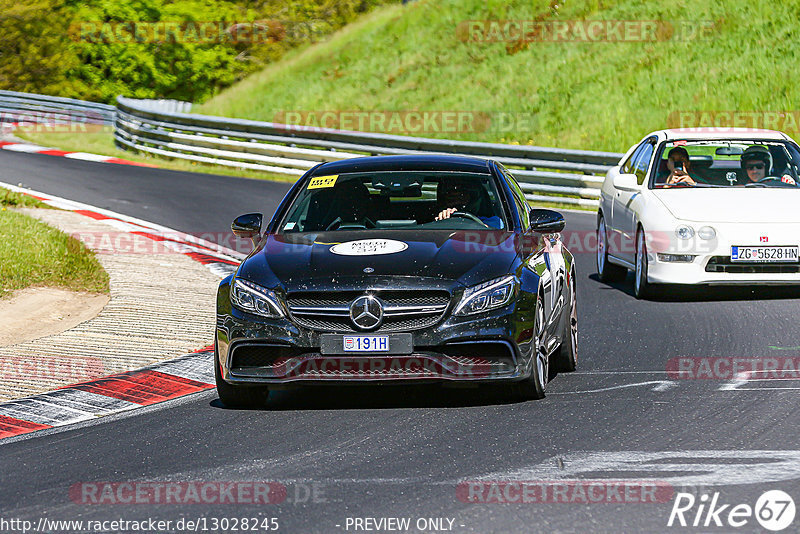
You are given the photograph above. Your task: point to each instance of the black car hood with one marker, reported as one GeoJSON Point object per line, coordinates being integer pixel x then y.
{"type": "Point", "coordinates": [301, 261]}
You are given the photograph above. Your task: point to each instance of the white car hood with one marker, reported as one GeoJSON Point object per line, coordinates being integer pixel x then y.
{"type": "Point", "coordinates": [735, 204]}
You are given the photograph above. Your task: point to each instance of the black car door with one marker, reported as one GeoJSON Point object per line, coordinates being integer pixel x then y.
{"type": "Point", "coordinates": [543, 256]}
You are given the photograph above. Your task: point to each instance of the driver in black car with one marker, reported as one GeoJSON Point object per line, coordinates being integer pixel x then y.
{"type": "Point", "coordinates": [464, 196]}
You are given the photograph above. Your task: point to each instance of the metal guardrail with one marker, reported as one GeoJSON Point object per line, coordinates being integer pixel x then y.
{"type": "Point", "coordinates": [545, 174]}
{"type": "Point", "coordinates": [33, 108]}
{"type": "Point", "coordinates": [165, 128]}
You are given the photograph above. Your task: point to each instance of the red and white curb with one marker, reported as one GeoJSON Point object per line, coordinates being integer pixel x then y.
{"type": "Point", "coordinates": [132, 389]}
{"type": "Point", "coordinates": [29, 148]}
{"type": "Point", "coordinates": [109, 395]}
{"type": "Point", "coordinates": [220, 260]}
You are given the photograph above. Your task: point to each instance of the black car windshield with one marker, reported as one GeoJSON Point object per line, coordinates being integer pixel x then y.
{"type": "Point", "coordinates": [396, 200]}
{"type": "Point", "coordinates": [727, 163]}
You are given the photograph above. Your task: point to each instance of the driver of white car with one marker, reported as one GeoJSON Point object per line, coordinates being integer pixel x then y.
{"type": "Point", "coordinates": [756, 161]}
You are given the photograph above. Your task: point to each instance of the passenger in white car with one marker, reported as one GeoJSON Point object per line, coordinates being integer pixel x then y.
{"type": "Point", "coordinates": [679, 165]}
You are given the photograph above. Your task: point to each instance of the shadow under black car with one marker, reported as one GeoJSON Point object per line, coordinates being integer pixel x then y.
{"type": "Point", "coordinates": [377, 396]}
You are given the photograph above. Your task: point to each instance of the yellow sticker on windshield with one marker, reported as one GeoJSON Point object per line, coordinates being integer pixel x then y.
{"type": "Point", "coordinates": [321, 182]}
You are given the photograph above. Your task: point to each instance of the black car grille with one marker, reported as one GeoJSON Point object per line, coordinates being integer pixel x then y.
{"type": "Point", "coordinates": [723, 264]}
{"type": "Point", "coordinates": [480, 359]}
{"type": "Point", "coordinates": [479, 352]}
{"type": "Point", "coordinates": [261, 355]}
{"type": "Point", "coordinates": [403, 310]}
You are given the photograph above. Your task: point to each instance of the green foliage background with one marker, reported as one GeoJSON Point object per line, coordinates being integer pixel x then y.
{"type": "Point", "coordinates": [587, 95]}
{"type": "Point", "coordinates": [43, 50]}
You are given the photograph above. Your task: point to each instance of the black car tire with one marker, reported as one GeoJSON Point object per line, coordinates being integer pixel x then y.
{"type": "Point", "coordinates": [238, 396]}
{"type": "Point", "coordinates": [532, 387]}
{"type": "Point", "coordinates": [565, 359]}
{"type": "Point", "coordinates": [607, 271]}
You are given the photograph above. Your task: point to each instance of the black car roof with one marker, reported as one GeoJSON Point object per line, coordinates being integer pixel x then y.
{"type": "Point", "coordinates": [428, 162]}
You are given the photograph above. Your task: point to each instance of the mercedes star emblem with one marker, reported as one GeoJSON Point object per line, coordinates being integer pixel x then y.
{"type": "Point", "coordinates": [366, 312]}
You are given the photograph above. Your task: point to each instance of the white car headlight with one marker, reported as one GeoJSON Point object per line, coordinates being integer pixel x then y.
{"type": "Point", "coordinates": [706, 232]}
{"type": "Point", "coordinates": [676, 258]}
{"type": "Point", "coordinates": [487, 296]}
{"type": "Point", "coordinates": [684, 232]}
{"type": "Point", "coordinates": [253, 298]}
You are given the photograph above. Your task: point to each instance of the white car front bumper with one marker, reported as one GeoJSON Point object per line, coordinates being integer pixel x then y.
{"type": "Point", "coordinates": [712, 263]}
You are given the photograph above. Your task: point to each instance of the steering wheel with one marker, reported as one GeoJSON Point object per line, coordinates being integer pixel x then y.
{"type": "Point", "coordinates": [470, 216]}
{"type": "Point", "coordinates": [366, 222]}
{"type": "Point", "coordinates": [764, 181]}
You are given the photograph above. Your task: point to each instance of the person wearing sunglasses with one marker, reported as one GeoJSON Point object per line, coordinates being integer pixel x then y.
{"type": "Point", "coordinates": [756, 162]}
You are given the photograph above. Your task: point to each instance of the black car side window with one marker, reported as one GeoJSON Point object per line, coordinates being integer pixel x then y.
{"type": "Point", "coordinates": [519, 200]}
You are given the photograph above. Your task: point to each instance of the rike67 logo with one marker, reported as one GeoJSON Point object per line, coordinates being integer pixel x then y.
{"type": "Point", "coordinates": [774, 510]}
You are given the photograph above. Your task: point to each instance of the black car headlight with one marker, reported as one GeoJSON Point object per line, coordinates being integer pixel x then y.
{"type": "Point", "coordinates": [487, 296]}
{"type": "Point", "coordinates": [255, 299]}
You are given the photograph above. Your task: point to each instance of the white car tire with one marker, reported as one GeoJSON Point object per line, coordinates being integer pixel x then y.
{"type": "Point", "coordinates": [606, 271]}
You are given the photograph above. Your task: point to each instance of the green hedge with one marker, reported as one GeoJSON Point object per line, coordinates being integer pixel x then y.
{"type": "Point", "coordinates": [186, 50]}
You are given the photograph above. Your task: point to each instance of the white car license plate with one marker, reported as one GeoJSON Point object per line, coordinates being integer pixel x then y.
{"type": "Point", "coordinates": [365, 343]}
{"type": "Point", "coordinates": [765, 254]}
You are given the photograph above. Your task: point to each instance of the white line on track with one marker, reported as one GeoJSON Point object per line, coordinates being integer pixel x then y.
{"type": "Point", "coordinates": [660, 385]}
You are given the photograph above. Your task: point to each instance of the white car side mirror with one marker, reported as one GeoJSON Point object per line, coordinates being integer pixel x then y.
{"type": "Point", "coordinates": [626, 182]}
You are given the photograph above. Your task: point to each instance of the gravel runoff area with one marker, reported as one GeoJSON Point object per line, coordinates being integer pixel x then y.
{"type": "Point", "coordinates": [161, 306]}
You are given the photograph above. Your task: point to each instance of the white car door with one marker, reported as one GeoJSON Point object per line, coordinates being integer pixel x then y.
{"type": "Point", "coordinates": [623, 241]}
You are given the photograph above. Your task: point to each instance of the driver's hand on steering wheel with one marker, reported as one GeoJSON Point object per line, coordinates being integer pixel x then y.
{"type": "Point", "coordinates": [445, 214]}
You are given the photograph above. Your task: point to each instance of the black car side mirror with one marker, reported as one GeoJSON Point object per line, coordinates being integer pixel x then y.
{"type": "Point", "coordinates": [546, 221]}
{"type": "Point", "coordinates": [247, 226]}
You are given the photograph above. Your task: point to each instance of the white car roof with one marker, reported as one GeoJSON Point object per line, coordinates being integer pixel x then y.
{"type": "Point", "coordinates": [720, 133]}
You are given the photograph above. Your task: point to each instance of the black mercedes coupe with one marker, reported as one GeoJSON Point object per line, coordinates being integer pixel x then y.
{"type": "Point", "coordinates": [395, 269]}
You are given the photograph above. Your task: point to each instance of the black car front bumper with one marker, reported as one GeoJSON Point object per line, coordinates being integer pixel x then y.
{"type": "Point", "coordinates": [488, 347]}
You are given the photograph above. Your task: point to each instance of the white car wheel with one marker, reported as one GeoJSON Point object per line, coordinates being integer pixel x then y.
{"type": "Point", "coordinates": [641, 287]}
{"type": "Point", "coordinates": [607, 271]}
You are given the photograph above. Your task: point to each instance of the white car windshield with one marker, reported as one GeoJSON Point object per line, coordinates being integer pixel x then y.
{"type": "Point", "coordinates": [727, 163]}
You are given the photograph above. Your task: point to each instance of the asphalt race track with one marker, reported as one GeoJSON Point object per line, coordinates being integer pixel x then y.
{"type": "Point", "coordinates": [346, 455]}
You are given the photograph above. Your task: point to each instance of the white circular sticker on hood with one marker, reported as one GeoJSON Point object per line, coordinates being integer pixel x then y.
{"type": "Point", "coordinates": [369, 247]}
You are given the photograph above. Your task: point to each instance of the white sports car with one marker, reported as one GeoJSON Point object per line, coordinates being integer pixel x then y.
{"type": "Point", "coordinates": [702, 207]}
